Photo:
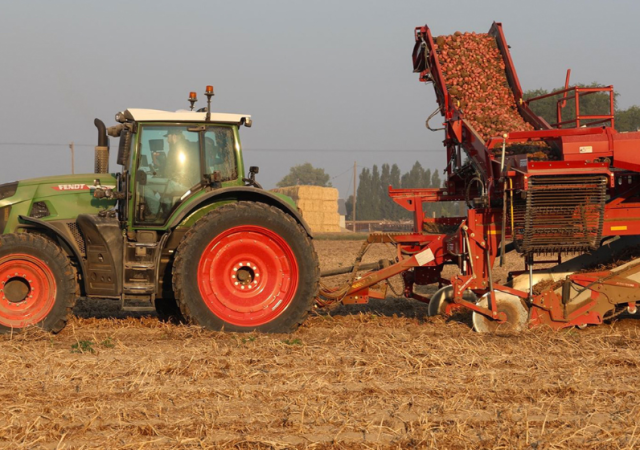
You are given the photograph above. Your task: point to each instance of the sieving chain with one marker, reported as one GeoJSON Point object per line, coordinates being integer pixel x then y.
{"type": "Point", "coordinates": [615, 314]}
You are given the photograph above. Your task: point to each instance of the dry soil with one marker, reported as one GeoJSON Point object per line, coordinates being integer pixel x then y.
{"type": "Point", "coordinates": [381, 375]}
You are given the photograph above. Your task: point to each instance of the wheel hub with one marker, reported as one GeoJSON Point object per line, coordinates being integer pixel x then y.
{"type": "Point", "coordinates": [245, 275]}
{"type": "Point", "coordinates": [17, 289]}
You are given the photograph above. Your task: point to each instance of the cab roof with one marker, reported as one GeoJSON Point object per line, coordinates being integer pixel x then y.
{"type": "Point", "coordinates": [156, 115]}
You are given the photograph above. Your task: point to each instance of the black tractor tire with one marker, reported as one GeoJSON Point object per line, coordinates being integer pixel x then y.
{"type": "Point", "coordinates": [246, 266]}
{"type": "Point", "coordinates": [38, 284]}
{"type": "Point", "coordinates": [168, 310]}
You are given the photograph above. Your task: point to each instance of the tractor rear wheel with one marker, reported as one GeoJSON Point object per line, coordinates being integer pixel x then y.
{"type": "Point", "coordinates": [38, 284]}
{"type": "Point", "coordinates": [246, 266]}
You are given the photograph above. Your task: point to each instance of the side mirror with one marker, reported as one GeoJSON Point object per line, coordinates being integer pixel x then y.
{"type": "Point", "coordinates": [141, 177]}
{"type": "Point", "coordinates": [251, 181]}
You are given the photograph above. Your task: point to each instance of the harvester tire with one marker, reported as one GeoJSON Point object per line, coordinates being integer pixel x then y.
{"type": "Point", "coordinates": [38, 283]}
{"type": "Point", "coordinates": [246, 266]}
{"type": "Point", "coordinates": [444, 297]}
{"type": "Point", "coordinates": [512, 306]}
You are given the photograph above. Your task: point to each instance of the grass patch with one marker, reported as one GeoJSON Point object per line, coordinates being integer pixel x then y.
{"type": "Point", "coordinates": [108, 343]}
{"type": "Point", "coordinates": [82, 347]}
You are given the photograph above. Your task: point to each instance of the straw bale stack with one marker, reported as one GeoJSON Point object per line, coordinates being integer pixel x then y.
{"type": "Point", "coordinates": [318, 205]}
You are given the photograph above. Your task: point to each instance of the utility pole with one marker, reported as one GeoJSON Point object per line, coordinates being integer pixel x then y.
{"type": "Point", "coordinates": [71, 146]}
{"type": "Point", "coordinates": [354, 195]}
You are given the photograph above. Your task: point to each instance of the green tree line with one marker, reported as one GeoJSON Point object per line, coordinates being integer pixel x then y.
{"type": "Point", "coordinates": [373, 201]}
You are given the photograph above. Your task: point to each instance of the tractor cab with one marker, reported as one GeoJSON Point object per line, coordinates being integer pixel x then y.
{"type": "Point", "coordinates": [170, 157]}
{"type": "Point", "coordinates": [173, 156]}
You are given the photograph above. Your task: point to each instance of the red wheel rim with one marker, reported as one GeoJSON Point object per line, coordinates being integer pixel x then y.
{"type": "Point", "coordinates": [28, 290]}
{"type": "Point", "coordinates": [248, 275]}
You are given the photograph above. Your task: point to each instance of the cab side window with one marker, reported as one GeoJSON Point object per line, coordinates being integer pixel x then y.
{"type": "Point", "coordinates": [220, 154]}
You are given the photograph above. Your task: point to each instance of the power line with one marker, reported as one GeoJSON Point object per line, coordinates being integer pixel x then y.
{"type": "Point", "coordinates": [271, 150]}
{"type": "Point", "coordinates": [37, 144]}
{"type": "Point", "coordinates": [333, 178]}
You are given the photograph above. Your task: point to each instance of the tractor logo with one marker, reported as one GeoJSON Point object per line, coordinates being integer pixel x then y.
{"type": "Point", "coordinates": [71, 187]}
{"type": "Point", "coordinates": [77, 187]}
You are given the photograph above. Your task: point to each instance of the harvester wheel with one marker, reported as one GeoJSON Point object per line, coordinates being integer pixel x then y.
{"type": "Point", "coordinates": [513, 306]}
{"type": "Point", "coordinates": [38, 283]}
{"type": "Point", "coordinates": [246, 266]}
{"type": "Point", "coordinates": [444, 297]}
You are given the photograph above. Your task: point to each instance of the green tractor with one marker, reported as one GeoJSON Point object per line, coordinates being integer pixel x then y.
{"type": "Point", "coordinates": [179, 230]}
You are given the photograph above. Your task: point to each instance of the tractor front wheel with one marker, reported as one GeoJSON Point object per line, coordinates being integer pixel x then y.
{"type": "Point", "coordinates": [38, 284]}
{"type": "Point", "coordinates": [246, 266]}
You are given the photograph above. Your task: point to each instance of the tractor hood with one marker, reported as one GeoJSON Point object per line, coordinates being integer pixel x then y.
{"type": "Point", "coordinates": [60, 185]}
{"type": "Point", "coordinates": [52, 198]}
{"type": "Point", "coordinates": [75, 182]}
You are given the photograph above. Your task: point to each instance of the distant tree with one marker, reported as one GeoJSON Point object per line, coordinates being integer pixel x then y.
{"type": "Point", "coordinates": [348, 205]}
{"type": "Point", "coordinates": [394, 176]}
{"type": "Point", "coordinates": [435, 180]}
{"type": "Point", "coordinates": [385, 201]}
{"type": "Point", "coordinates": [397, 211]}
{"type": "Point", "coordinates": [364, 204]}
{"type": "Point", "coordinates": [305, 174]}
{"type": "Point", "coordinates": [414, 178]}
{"type": "Point", "coordinates": [628, 119]}
{"type": "Point", "coordinates": [426, 180]}
{"type": "Point", "coordinates": [374, 197]}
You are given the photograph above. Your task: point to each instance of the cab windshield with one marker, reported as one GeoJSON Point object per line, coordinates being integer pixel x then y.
{"type": "Point", "coordinates": [174, 161]}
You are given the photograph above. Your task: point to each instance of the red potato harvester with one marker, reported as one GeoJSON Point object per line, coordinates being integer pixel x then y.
{"type": "Point", "coordinates": [543, 188]}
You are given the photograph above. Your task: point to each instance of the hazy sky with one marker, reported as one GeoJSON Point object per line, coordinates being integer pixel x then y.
{"type": "Point", "coordinates": [327, 82]}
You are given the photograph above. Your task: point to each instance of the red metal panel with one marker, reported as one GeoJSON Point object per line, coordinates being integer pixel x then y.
{"type": "Point", "coordinates": [627, 151]}
{"type": "Point", "coordinates": [579, 148]}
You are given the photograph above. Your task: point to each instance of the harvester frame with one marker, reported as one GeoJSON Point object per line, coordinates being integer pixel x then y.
{"type": "Point", "coordinates": [573, 204]}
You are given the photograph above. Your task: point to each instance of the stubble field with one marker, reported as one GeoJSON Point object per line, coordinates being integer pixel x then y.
{"type": "Point", "coordinates": [381, 375]}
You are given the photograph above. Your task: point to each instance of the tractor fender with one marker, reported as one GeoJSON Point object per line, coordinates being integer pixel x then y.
{"type": "Point", "coordinates": [240, 193]}
{"type": "Point", "coordinates": [69, 247]}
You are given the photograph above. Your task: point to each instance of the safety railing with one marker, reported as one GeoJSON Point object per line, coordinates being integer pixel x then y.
{"type": "Point", "coordinates": [580, 119]}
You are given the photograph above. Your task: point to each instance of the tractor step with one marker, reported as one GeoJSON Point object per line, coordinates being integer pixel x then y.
{"type": "Point", "coordinates": [139, 308]}
{"type": "Point", "coordinates": [140, 267]}
{"type": "Point", "coordinates": [138, 303]}
{"type": "Point", "coordinates": [139, 288]}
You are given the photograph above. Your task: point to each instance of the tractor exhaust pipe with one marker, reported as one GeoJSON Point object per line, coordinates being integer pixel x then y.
{"type": "Point", "coordinates": [102, 149]}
